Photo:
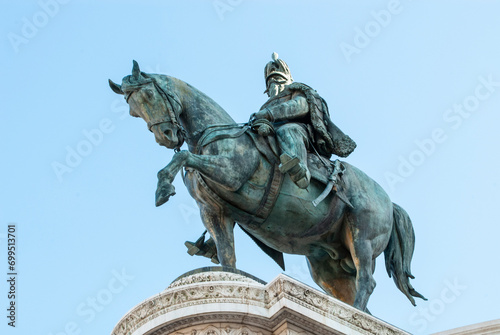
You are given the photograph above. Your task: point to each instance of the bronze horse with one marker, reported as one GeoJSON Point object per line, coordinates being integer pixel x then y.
{"type": "Point", "coordinates": [234, 178]}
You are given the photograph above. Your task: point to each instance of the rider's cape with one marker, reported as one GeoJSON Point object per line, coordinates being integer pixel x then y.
{"type": "Point", "coordinates": [326, 136]}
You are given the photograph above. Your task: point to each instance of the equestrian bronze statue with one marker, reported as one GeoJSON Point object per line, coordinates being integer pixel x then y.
{"type": "Point", "coordinates": [274, 178]}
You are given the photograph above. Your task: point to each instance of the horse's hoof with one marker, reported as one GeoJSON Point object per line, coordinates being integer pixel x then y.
{"type": "Point", "coordinates": [164, 193]}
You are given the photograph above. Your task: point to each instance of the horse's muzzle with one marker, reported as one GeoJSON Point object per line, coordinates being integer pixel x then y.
{"type": "Point", "coordinates": [167, 135]}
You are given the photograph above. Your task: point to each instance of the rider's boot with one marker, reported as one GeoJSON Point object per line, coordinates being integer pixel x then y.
{"type": "Point", "coordinates": [298, 171]}
{"type": "Point", "coordinates": [292, 139]}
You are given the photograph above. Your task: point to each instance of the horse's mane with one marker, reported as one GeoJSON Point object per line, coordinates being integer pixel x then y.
{"type": "Point", "coordinates": [182, 94]}
{"type": "Point", "coordinates": [198, 99]}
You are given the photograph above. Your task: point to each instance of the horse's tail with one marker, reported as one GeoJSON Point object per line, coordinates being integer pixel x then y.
{"type": "Point", "coordinates": [399, 252]}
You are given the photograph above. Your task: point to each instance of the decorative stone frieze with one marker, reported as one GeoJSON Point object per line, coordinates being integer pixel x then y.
{"type": "Point", "coordinates": [221, 301]}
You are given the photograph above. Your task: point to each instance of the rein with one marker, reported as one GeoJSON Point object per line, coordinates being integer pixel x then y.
{"type": "Point", "coordinates": [209, 130]}
{"type": "Point", "coordinates": [158, 121]}
{"type": "Point", "coordinates": [172, 116]}
{"type": "Point", "coordinates": [167, 98]}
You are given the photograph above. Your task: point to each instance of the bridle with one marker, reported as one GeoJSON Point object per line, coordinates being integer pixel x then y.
{"type": "Point", "coordinates": [168, 98]}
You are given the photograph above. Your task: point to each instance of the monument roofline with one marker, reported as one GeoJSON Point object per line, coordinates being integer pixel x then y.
{"type": "Point", "coordinates": [220, 302]}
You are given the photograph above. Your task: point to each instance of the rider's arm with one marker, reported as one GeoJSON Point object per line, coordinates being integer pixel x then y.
{"type": "Point", "coordinates": [292, 109]}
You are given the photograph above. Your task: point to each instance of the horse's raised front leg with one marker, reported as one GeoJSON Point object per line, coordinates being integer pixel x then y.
{"type": "Point", "coordinates": [166, 176]}
{"type": "Point", "coordinates": [221, 229]}
{"type": "Point", "coordinates": [229, 171]}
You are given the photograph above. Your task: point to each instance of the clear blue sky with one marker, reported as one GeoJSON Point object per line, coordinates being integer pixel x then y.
{"type": "Point", "coordinates": [415, 83]}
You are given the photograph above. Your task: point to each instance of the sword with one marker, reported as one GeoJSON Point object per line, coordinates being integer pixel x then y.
{"type": "Point", "coordinates": [332, 180]}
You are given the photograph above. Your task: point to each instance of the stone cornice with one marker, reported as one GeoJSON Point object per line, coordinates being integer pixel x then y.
{"type": "Point", "coordinates": [207, 298]}
{"type": "Point", "coordinates": [484, 328]}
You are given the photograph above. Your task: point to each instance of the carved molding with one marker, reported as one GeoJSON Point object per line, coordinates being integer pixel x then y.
{"type": "Point", "coordinates": [210, 277]}
{"type": "Point", "coordinates": [330, 307]}
{"type": "Point", "coordinates": [220, 329]}
{"type": "Point", "coordinates": [209, 289]}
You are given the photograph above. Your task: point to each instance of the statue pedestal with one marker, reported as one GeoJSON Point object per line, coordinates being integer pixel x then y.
{"type": "Point", "coordinates": [224, 301]}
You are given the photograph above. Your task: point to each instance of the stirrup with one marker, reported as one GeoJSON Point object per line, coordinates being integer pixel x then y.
{"type": "Point", "coordinates": [299, 178]}
{"type": "Point", "coordinates": [298, 172]}
{"type": "Point", "coordinates": [288, 163]}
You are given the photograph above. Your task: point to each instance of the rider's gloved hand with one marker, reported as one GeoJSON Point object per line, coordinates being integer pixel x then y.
{"type": "Point", "coordinates": [262, 122]}
{"type": "Point", "coordinates": [262, 114]}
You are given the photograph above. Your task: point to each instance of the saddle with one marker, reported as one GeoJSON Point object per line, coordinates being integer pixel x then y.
{"type": "Point", "coordinates": [322, 169]}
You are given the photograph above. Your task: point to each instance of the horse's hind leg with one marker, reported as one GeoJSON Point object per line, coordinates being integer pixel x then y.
{"type": "Point", "coordinates": [361, 244]}
{"type": "Point", "coordinates": [220, 228]}
{"type": "Point", "coordinates": [365, 283]}
{"type": "Point", "coordinates": [329, 275]}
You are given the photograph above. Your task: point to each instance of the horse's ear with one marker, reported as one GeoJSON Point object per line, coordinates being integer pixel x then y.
{"type": "Point", "coordinates": [115, 87]}
{"type": "Point", "coordinates": [136, 72]}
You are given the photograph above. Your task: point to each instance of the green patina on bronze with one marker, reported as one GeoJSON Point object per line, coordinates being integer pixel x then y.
{"type": "Point", "coordinates": [267, 184]}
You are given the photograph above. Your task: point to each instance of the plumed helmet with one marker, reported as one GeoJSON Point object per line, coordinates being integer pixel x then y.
{"type": "Point", "coordinates": [277, 67]}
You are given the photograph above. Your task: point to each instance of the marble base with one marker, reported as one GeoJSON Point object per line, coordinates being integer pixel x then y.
{"type": "Point", "coordinates": [222, 301]}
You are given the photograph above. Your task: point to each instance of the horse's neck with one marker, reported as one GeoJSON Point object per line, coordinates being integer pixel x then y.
{"type": "Point", "coordinates": [199, 111]}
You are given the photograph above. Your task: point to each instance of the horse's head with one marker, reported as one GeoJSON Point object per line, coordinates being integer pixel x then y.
{"type": "Point", "coordinates": [154, 104]}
